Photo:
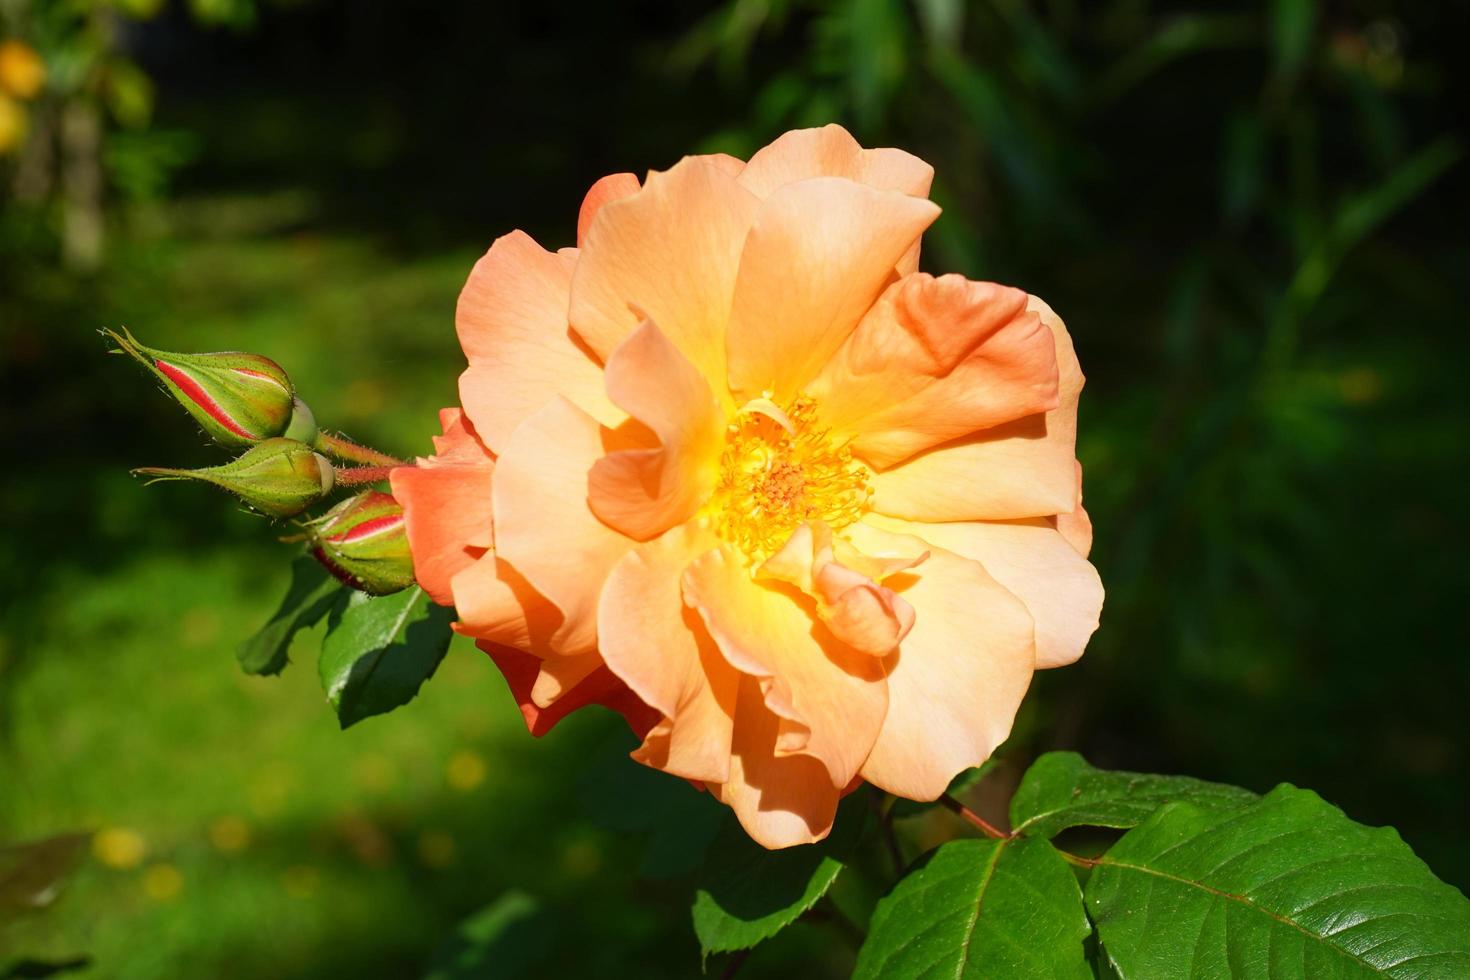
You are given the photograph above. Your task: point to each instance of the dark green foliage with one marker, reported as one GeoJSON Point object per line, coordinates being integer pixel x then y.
{"type": "Point", "coordinates": [379, 650]}
{"type": "Point", "coordinates": [1061, 790]}
{"type": "Point", "coordinates": [308, 598]}
{"type": "Point", "coordinates": [746, 894]}
{"type": "Point", "coordinates": [981, 909]}
{"type": "Point", "coordinates": [1286, 887]}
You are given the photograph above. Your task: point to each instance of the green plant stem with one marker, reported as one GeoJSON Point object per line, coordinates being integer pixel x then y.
{"type": "Point", "coordinates": [344, 448]}
{"type": "Point", "coordinates": [827, 911]}
{"type": "Point", "coordinates": [353, 476]}
{"type": "Point", "coordinates": [970, 816]}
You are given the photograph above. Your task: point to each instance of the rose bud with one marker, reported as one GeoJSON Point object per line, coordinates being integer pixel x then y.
{"type": "Point", "coordinates": [362, 542]}
{"type": "Point", "coordinates": [279, 477]}
{"type": "Point", "coordinates": [238, 398]}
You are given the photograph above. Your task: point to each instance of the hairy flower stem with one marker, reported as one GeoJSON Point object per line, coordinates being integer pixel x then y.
{"type": "Point", "coordinates": [965, 813]}
{"type": "Point", "coordinates": [344, 448]}
{"type": "Point", "coordinates": [354, 476]}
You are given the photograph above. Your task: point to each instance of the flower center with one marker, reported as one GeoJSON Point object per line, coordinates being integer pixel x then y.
{"type": "Point", "coordinates": [779, 470]}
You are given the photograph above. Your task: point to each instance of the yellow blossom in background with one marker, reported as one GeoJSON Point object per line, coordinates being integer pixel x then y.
{"type": "Point", "coordinates": [22, 72]}
{"type": "Point", "coordinates": [162, 882]}
{"type": "Point", "coordinates": [119, 847]}
{"type": "Point", "coordinates": [229, 834]}
{"type": "Point", "coordinates": [465, 771]}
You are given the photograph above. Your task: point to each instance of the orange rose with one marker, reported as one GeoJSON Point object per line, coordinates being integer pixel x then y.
{"type": "Point", "coordinates": [735, 468]}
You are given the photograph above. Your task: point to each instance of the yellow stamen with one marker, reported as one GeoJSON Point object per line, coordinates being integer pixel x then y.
{"type": "Point", "coordinates": [775, 476]}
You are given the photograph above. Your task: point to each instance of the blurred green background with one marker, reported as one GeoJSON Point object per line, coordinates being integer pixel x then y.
{"type": "Point", "coordinates": [1250, 215]}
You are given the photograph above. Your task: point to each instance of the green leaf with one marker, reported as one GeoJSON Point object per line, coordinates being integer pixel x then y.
{"type": "Point", "coordinates": [379, 650]}
{"type": "Point", "coordinates": [31, 874]}
{"type": "Point", "coordinates": [679, 821]}
{"type": "Point", "coordinates": [310, 597]}
{"type": "Point", "coordinates": [980, 909]}
{"type": "Point", "coordinates": [746, 894]}
{"type": "Point", "coordinates": [1286, 887]}
{"type": "Point", "coordinates": [510, 937]}
{"type": "Point", "coordinates": [1061, 790]}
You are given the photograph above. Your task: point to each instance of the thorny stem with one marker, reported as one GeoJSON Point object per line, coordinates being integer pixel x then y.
{"type": "Point", "coordinates": [357, 475]}
{"type": "Point", "coordinates": [344, 448]}
{"type": "Point", "coordinates": [965, 813]}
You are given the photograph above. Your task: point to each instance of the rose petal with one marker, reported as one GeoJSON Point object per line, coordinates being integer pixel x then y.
{"type": "Point", "coordinates": [1036, 563]}
{"type": "Point", "coordinates": [845, 586]}
{"type": "Point", "coordinates": [829, 697]}
{"type": "Point", "coordinates": [819, 253]}
{"type": "Point", "coordinates": [522, 670]}
{"type": "Point", "coordinates": [1025, 468]}
{"type": "Point", "coordinates": [644, 492]}
{"type": "Point", "coordinates": [543, 525]}
{"type": "Point", "coordinates": [512, 323]}
{"type": "Point", "coordinates": [780, 799]}
{"type": "Point", "coordinates": [668, 253]}
{"type": "Point", "coordinates": [933, 360]}
{"type": "Point", "coordinates": [958, 677]}
{"type": "Point", "coordinates": [661, 650]}
{"type": "Point", "coordinates": [613, 187]}
{"type": "Point", "coordinates": [446, 507]}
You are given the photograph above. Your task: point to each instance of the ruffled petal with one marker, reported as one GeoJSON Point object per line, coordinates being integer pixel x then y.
{"type": "Point", "coordinates": [845, 585]}
{"type": "Point", "coordinates": [647, 490]}
{"type": "Point", "coordinates": [613, 187]}
{"type": "Point", "coordinates": [780, 799]}
{"type": "Point", "coordinates": [446, 507]}
{"type": "Point", "coordinates": [512, 323]}
{"type": "Point", "coordinates": [1025, 468]}
{"type": "Point", "coordinates": [933, 360]}
{"type": "Point", "coordinates": [543, 526]}
{"type": "Point", "coordinates": [830, 151]}
{"type": "Point", "coordinates": [818, 255]}
{"type": "Point", "coordinates": [523, 672]}
{"type": "Point", "coordinates": [1035, 562]}
{"type": "Point", "coordinates": [667, 253]}
{"type": "Point", "coordinates": [958, 677]}
{"type": "Point", "coordinates": [1076, 527]}
{"type": "Point", "coordinates": [661, 650]}
{"type": "Point", "coordinates": [495, 603]}
{"type": "Point", "coordinates": [830, 698]}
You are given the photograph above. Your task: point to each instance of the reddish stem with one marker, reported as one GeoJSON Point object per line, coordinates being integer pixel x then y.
{"type": "Point", "coordinates": [965, 813]}
{"type": "Point", "coordinates": [344, 448]}
{"type": "Point", "coordinates": [353, 476]}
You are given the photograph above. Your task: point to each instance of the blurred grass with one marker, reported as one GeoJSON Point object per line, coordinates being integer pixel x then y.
{"type": "Point", "coordinates": [1245, 214]}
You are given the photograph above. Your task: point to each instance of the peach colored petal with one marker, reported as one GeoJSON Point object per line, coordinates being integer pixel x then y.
{"type": "Point", "coordinates": [661, 650]}
{"type": "Point", "coordinates": [668, 253]}
{"type": "Point", "coordinates": [849, 599]}
{"type": "Point", "coordinates": [830, 698]}
{"type": "Point", "coordinates": [1076, 527]}
{"type": "Point", "coordinates": [933, 360]}
{"type": "Point", "coordinates": [522, 671]}
{"type": "Point", "coordinates": [819, 253]}
{"type": "Point", "coordinates": [1025, 468]}
{"type": "Point", "coordinates": [1036, 563]}
{"type": "Point", "coordinates": [645, 491]}
{"type": "Point", "coordinates": [446, 506]}
{"type": "Point", "coordinates": [958, 677]}
{"type": "Point", "coordinates": [512, 323]}
{"type": "Point", "coordinates": [727, 164]}
{"type": "Point", "coordinates": [830, 151]}
{"type": "Point", "coordinates": [613, 187]}
{"type": "Point", "coordinates": [543, 526]}
{"type": "Point", "coordinates": [495, 603]}
{"type": "Point", "coordinates": [558, 675]}
{"type": "Point", "coordinates": [780, 799]}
